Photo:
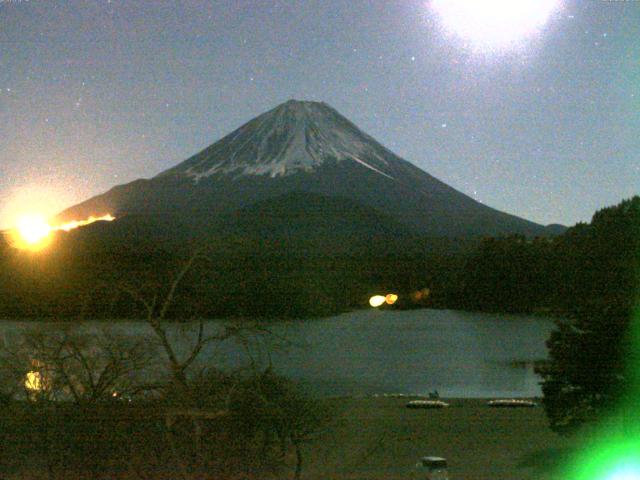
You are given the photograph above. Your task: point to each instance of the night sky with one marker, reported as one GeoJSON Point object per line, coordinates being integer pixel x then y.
{"type": "Point", "coordinates": [99, 93]}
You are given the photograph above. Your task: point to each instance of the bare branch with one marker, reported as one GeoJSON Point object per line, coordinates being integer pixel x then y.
{"type": "Point", "coordinates": [174, 285]}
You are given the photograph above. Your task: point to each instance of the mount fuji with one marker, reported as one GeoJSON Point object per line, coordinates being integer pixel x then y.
{"type": "Point", "coordinates": [304, 152]}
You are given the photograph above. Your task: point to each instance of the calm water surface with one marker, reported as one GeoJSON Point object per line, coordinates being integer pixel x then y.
{"type": "Point", "coordinates": [459, 354]}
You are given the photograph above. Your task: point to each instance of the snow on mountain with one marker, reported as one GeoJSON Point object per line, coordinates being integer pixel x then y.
{"type": "Point", "coordinates": [295, 136]}
{"type": "Point", "coordinates": [304, 147]}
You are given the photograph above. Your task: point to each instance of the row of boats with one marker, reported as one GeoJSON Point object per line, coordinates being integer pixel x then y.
{"type": "Point", "coordinates": [499, 403]}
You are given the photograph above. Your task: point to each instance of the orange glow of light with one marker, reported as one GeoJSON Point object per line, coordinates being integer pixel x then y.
{"type": "Point", "coordinates": [379, 300]}
{"type": "Point", "coordinates": [420, 295]}
{"type": "Point", "coordinates": [81, 223]}
{"type": "Point", "coordinates": [34, 233]}
{"type": "Point", "coordinates": [33, 229]}
{"type": "Point", "coordinates": [33, 382]}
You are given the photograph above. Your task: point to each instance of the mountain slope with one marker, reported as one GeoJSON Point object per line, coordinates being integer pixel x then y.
{"type": "Point", "coordinates": [304, 147]}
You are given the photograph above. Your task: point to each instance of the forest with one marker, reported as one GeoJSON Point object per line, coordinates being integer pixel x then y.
{"type": "Point", "coordinates": [90, 274]}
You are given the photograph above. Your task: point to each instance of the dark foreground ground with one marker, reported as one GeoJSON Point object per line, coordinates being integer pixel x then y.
{"type": "Point", "coordinates": [378, 438]}
{"type": "Point", "coordinates": [367, 439]}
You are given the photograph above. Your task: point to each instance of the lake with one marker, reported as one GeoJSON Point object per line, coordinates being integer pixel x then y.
{"type": "Point", "coordinates": [459, 354]}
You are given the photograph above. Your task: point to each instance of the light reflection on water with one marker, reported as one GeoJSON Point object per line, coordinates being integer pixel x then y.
{"type": "Point", "coordinates": [459, 354]}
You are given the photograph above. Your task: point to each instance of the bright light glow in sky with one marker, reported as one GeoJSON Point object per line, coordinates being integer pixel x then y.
{"type": "Point", "coordinates": [494, 25]}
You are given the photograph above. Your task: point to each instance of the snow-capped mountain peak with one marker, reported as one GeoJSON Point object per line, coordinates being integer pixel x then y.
{"type": "Point", "coordinates": [296, 136]}
{"type": "Point", "coordinates": [305, 149]}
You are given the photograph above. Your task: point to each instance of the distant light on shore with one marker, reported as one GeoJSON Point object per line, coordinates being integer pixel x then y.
{"type": "Point", "coordinates": [33, 382]}
{"type": "Point", "coordinates": [420, 295]}
{"type": "Point", "coordinates": [377, 301]}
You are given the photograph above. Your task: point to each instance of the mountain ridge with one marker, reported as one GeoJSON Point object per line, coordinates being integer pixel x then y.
{"type": "Point", "coordinates": [309, 147]}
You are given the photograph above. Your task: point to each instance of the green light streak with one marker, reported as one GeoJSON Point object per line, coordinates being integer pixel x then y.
{"type": "Point", "coordinates": [612, 457]}
{"type": "Point", "coordinates": [615, 452]}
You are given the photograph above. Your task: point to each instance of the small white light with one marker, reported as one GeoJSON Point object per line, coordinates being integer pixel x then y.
{"type": "Point", "coordinates": [377, 301]}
